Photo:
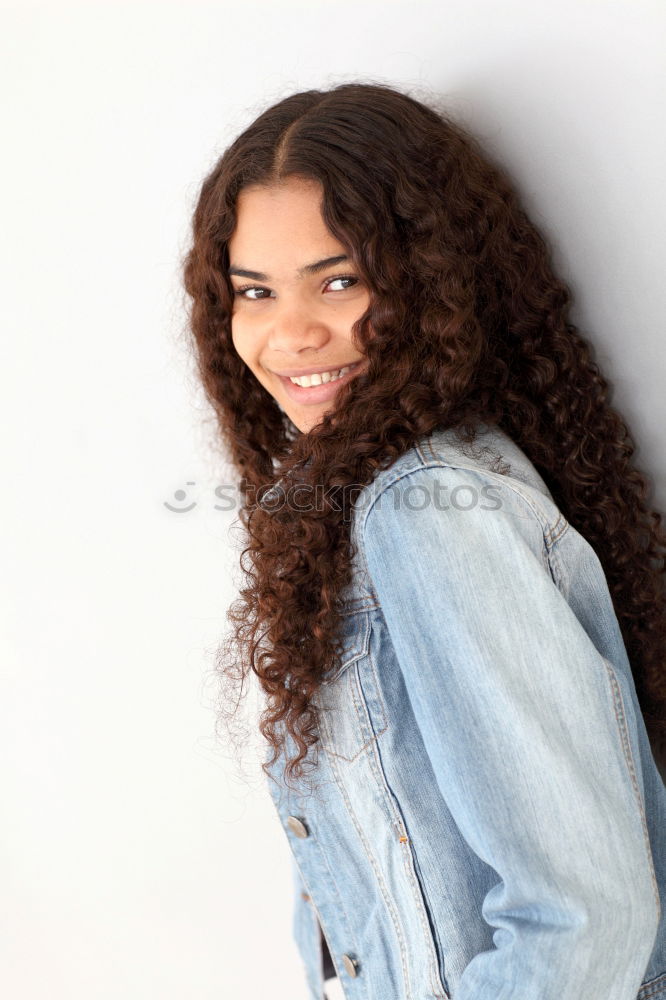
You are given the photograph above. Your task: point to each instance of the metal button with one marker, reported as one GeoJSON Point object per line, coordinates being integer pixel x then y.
{"type": "Point", "coordinates": [297, 826]}
{"type": "Point", "coordinates": [351, 965]}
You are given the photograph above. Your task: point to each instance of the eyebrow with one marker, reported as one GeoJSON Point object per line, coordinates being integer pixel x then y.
{"type": "Point", "coordinates": [319, 265]}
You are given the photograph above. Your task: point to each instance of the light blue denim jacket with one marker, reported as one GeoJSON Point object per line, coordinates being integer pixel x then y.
{"type": "Point", "coordinates": [488, 821]}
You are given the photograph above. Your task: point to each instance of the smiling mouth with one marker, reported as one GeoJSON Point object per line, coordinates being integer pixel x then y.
{"type": "Point", "coordinates": [322, 378]}
{"type": "Point", "coordinates": [319, 387]}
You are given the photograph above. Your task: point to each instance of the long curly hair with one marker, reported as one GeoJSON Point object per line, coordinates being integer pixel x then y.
{"type": "Point", "coordinates": [467, 322]}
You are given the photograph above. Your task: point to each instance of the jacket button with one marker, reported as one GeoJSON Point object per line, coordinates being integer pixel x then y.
{"type": "Point", "coordinates": [351, 965]}
{"type": "Point", "coordinates": [297, 826]}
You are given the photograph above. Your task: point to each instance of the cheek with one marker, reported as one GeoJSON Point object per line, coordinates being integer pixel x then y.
{"type": "Point", "coordinates": [239, 341]}
{"type": "Point", "coordinates": [248, 350]}
{"type": "Point", "coordinates": [352, 314]}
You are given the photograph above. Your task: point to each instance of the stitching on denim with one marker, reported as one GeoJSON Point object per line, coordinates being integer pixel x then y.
{"type": "Point", "coordinates": [620, 717]}
{"type": "Point", "coordinates": [557, 573]}
{"type": "Point", "coordinates": [426, 444]}
{"type": "Point", "coordinates": [361, 590]}
{"type": "Point", "coordinates": [540, 515]}
{"type": "Point", "coordinates": [383, 888]}
{"type": "Point", "coordinates": [436, 984]}
{"type": "Point", "coordinates": [626, 746]}
{"type": "Point", "coordinates": [555, 533]}
{"type": "Point", "coordinates": [322, 852]}
{"type": "Point", "coordinates": [360, 706]}
{"type": "Point", "coordinates": [329, 741]}
{"type": "Point", "coordinates": [332, 882]}
{"type": "Point", "coordinates": [352, 608]}
{"type": "Point", "coordinates": [363, 650]}
{"type": "Point", "coordinates": [429, 458]}
{"type": "Point", "coordinates": [650, 989]}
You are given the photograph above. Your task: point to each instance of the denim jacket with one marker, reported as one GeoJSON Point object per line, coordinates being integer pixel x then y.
{"type": "Point", "coordinates": [488, 820]}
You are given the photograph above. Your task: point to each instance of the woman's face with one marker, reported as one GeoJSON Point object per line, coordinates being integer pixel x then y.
{"type": "Point", "coordinates": [296, 297]}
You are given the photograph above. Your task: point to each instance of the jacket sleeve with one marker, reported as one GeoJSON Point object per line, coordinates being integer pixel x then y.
{"type": "Point", "coordinates": [517, 712]}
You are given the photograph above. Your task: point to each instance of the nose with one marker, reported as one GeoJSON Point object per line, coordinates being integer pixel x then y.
{"type": "Point", "coordinates": [295, 328]}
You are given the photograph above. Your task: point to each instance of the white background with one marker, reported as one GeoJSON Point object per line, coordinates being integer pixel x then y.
{"type": "Point", "coordinates": [134, 862]}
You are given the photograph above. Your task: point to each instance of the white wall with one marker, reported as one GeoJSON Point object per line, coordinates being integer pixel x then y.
{"type": "Point", "coordinates": [133, 863]}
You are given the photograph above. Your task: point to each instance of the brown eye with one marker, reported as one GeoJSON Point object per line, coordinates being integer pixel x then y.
{"type": "Point", "coordinates": [342, 277]}
{"type": "Point", "coordinates": [240, 292]}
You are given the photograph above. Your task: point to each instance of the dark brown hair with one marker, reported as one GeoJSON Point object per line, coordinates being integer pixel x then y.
{"type": "Point", "coordinates": [467, 322]}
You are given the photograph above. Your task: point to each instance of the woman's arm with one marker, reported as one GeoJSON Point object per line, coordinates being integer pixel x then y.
{"type": "Point", "coordinates": [518, 713]}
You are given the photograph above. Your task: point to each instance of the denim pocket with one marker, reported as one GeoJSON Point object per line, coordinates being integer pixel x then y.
{"type": "Point", "coordinates": [351, 710]}
{"type": "Point", "coordinates": [354, 636]}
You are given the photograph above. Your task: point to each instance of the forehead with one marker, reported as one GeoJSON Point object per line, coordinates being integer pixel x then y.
{"type": "Point", "coordinates": [282, 222]}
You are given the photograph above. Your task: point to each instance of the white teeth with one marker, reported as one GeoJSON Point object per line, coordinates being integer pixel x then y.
{"type": "Point", "coordinates": [318, 379]}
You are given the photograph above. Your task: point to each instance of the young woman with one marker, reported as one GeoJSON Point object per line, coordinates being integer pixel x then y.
{"type": "Point", "coordinates": [455, 585]}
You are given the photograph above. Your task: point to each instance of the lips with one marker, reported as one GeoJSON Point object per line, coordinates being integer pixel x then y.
{"type": "Point", "coordinates": [317, 393]}
{"type": "Point", "coordinates": [299, 372]}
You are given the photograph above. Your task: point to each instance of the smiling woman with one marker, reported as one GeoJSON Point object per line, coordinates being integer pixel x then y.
{"type": "Point", "coordinates": [295, 331]}
{"type": "Point", "coordinates": [454, 599]}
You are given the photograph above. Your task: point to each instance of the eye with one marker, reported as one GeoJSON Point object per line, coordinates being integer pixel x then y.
{"type": "Point", "coordinates": [255, 293]}
{"type": "Point", "coordinates": [240, 292]}
{"type": "Point", "coordinates": [342, 277]}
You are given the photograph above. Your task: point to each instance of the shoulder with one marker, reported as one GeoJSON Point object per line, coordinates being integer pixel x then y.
{"type": "Point", "coordinates": [442, 487]}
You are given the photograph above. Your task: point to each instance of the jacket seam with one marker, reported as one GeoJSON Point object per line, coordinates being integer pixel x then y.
{"type": "Point", "coordinates": [556, 532]}
{"type": "Point", "coordinates": [359, 699]}
{"type": "Point", "coordinates": [345, 661]}
{"type": "Point", "coordinates": [354, 609]}
{"type": "Point", "coordinates": [333, 883]}
{"type": "Point", "coordinates": [649, 989]}
{"type": "Point", "coordinates": [390, 905]}
{"type": "Point", "coordinates": [361, 707]}
{"type": "Point", "coordinates": [551, 532]}
{"type": "Point", "coordinates": [620, 716]}
{"type": "Point", "coordinates": [420, 447]}
{"type": "Point", "coordinates": [310, 900]}
{"type": "Point", "coordinates": [436, 984]}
